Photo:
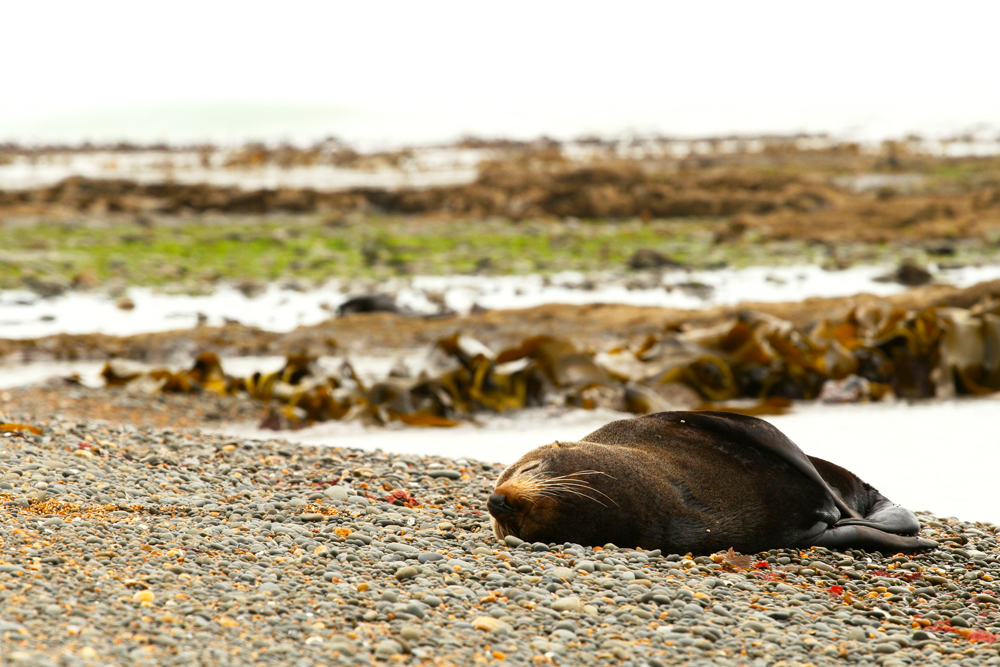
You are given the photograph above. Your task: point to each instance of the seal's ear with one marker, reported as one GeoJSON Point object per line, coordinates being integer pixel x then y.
{"type": "Point", "coordinates": [760, 434]}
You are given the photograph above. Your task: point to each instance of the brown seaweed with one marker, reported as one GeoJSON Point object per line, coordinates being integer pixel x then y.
{"type": "Point", "coordinates": [761, 362]}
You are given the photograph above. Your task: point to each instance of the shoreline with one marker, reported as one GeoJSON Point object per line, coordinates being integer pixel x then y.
{"type": "Point", "coordinates": [153, 546]}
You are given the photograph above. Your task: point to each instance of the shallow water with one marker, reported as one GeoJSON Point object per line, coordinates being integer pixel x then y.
{"type": "Point", "coordinates": [940, 457]}
{"type": "Point", "coordinates": [427, 168]}
{"type": "Point", "coordinates": [25, 315]}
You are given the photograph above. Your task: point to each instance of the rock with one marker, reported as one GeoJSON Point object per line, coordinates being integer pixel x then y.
{"type": "Point", "coordinates": [645, 258]}
{"type": "Point", "coordinates": [336, 493]}
{"type": "Point", "coordinates": [448, 474]}
{"type": "Point", "coordinates": [47, 286]}
{"type": "Point", "coordinates": [360, 536]}
{"type": "Point", "coordinates": [568, 604]}
{"type": "Point", "coordinates": [388, 648]}
{"type": "Point", "coordinates": [562, 573]}
{"type": "Point", "coordinates": [374, 303]}
{"type": "Point", "coordinates": [908, 274]}
{"type": "Point", "coordinates": [251, 289]}
{"type": "Point", "coordinates": [490, 624]}
{"type": "Point", "coordinates": [429, 557]}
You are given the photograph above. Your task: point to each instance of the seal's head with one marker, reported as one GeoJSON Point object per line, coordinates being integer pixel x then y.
{"type": "Point", "coordinates": [549, 492]}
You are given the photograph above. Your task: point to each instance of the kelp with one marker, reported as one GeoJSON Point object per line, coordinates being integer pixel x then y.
{"type": "Point", "coordinates": [751, 363]}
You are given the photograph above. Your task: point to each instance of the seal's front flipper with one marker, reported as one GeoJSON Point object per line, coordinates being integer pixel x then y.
{"type": "Point", "coordinates": [888, 517]}
{"type": "Point", "coordinates": [851, 536]}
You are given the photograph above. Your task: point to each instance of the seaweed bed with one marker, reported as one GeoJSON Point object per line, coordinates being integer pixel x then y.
{"type": "Point", "coordinates": [938, 343]}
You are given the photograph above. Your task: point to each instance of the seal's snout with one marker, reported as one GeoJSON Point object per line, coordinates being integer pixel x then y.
{"type": "Point", "coordinates": [498, 505]}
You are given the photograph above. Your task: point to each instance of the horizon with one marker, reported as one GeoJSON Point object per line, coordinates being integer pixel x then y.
{"type": "Point", "coordinates": [417, 75]}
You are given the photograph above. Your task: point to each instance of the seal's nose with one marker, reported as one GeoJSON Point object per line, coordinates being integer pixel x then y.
{"type": "Point", "coordinates": [498, 505]}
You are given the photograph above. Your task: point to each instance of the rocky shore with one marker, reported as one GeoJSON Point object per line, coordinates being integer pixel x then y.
{"type": "Point", "coordinates": [123, 545]}
{"type": "Point", "coordinates": [828, 194]}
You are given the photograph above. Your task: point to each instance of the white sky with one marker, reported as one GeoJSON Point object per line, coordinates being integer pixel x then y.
{"type": "Point", "coordinates": [388, 71]}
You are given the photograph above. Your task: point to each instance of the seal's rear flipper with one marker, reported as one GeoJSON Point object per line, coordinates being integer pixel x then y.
{"type": "Point", "coordinates": [849, 536]}
{"type": "Point", "coordinates": [888, 517]}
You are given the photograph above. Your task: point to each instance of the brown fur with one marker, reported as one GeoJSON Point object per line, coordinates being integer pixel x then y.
{"type": "Point", "coordinates": [680, 482]}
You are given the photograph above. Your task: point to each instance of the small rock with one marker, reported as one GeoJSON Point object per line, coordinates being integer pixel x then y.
{"type": "Point", "coordinates": [562, 573]}
{"type": "Point", "coordinates": [512, 541]}
{"type": "Point", "coordinates": [886, 647]}
{"type": "Point", "coordinates": [568, 604]}
{"type": "Point", "coordinates": [645, 258]}
{"type": "Point", "coordinates": [447, 474]}
{"type": "Point", "coordinates": [429, 557]}
{"type": "Point", "coordinates": [336, 493]}
{"type": "Point", "coordinates": [388, 648]}
{"type": "Point", "coordinates": [490, 624]}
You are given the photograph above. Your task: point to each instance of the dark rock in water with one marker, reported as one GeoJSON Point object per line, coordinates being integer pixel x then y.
{"type": "Point", "coordinates": [645, 258]}
{"type": "Point", "coordinates": [251, 289]}
{"type": "Point", "coordinates": [695, 289]}
{"type": "Point", "coordinates": [47, 286]}
{"type": "Point", "coordinates": [908, 274]}
{"type": "Point", "coordinates": [941, 250]}
{"type": "Point", "coordinates": [374, 303]}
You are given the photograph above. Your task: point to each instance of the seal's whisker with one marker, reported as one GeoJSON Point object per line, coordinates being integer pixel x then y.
{"type": "Point", "coordinates": [598, 491]}
{"type": "Point", "coordinates": [584, 472]}
{"type": "Point", "coordinates": [567, 482]}
{"type": "Point", "coordinates": [584, 495]}
{"type": "Point", "coordinates": [570, 482]}
{"type": "Point", "coordinates": [579, 490]}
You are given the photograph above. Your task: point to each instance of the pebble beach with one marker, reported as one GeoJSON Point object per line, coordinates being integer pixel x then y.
{"type": "Point", "coordinates": [122, 545]}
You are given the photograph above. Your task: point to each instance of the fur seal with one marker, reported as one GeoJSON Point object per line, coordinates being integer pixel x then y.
{"type": "Point", "coordinates": [696, 482]}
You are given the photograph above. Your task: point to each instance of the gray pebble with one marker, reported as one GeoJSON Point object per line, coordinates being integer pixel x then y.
{"type": "Point", "coordinates": [448, 474]}
{"type": "Point", "coordinates": [429, 557]}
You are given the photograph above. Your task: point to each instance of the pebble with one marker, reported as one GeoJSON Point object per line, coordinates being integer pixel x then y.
{"type": "Point", "coordinates": [429, 557]}
{"type": "Point", "coordinates": [388, 648]}
{"type": "Point", "coordinates": [336, 493]}
{"type": "Point", "coordinates": [224, 552]}
{"type": "Point", "coordinates": [568, 604]}
{"type": "Point", "coordinates": [448, 474]}
{"type": "Point", "coordinates": [562, 573]}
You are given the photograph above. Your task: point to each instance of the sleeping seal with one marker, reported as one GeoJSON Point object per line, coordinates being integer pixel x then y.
{"type": "Point", "coordinates": [696, 482]}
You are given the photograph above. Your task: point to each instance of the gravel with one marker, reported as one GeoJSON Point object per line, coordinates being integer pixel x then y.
{"type": "Point", "coordinates": [141, 546]}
